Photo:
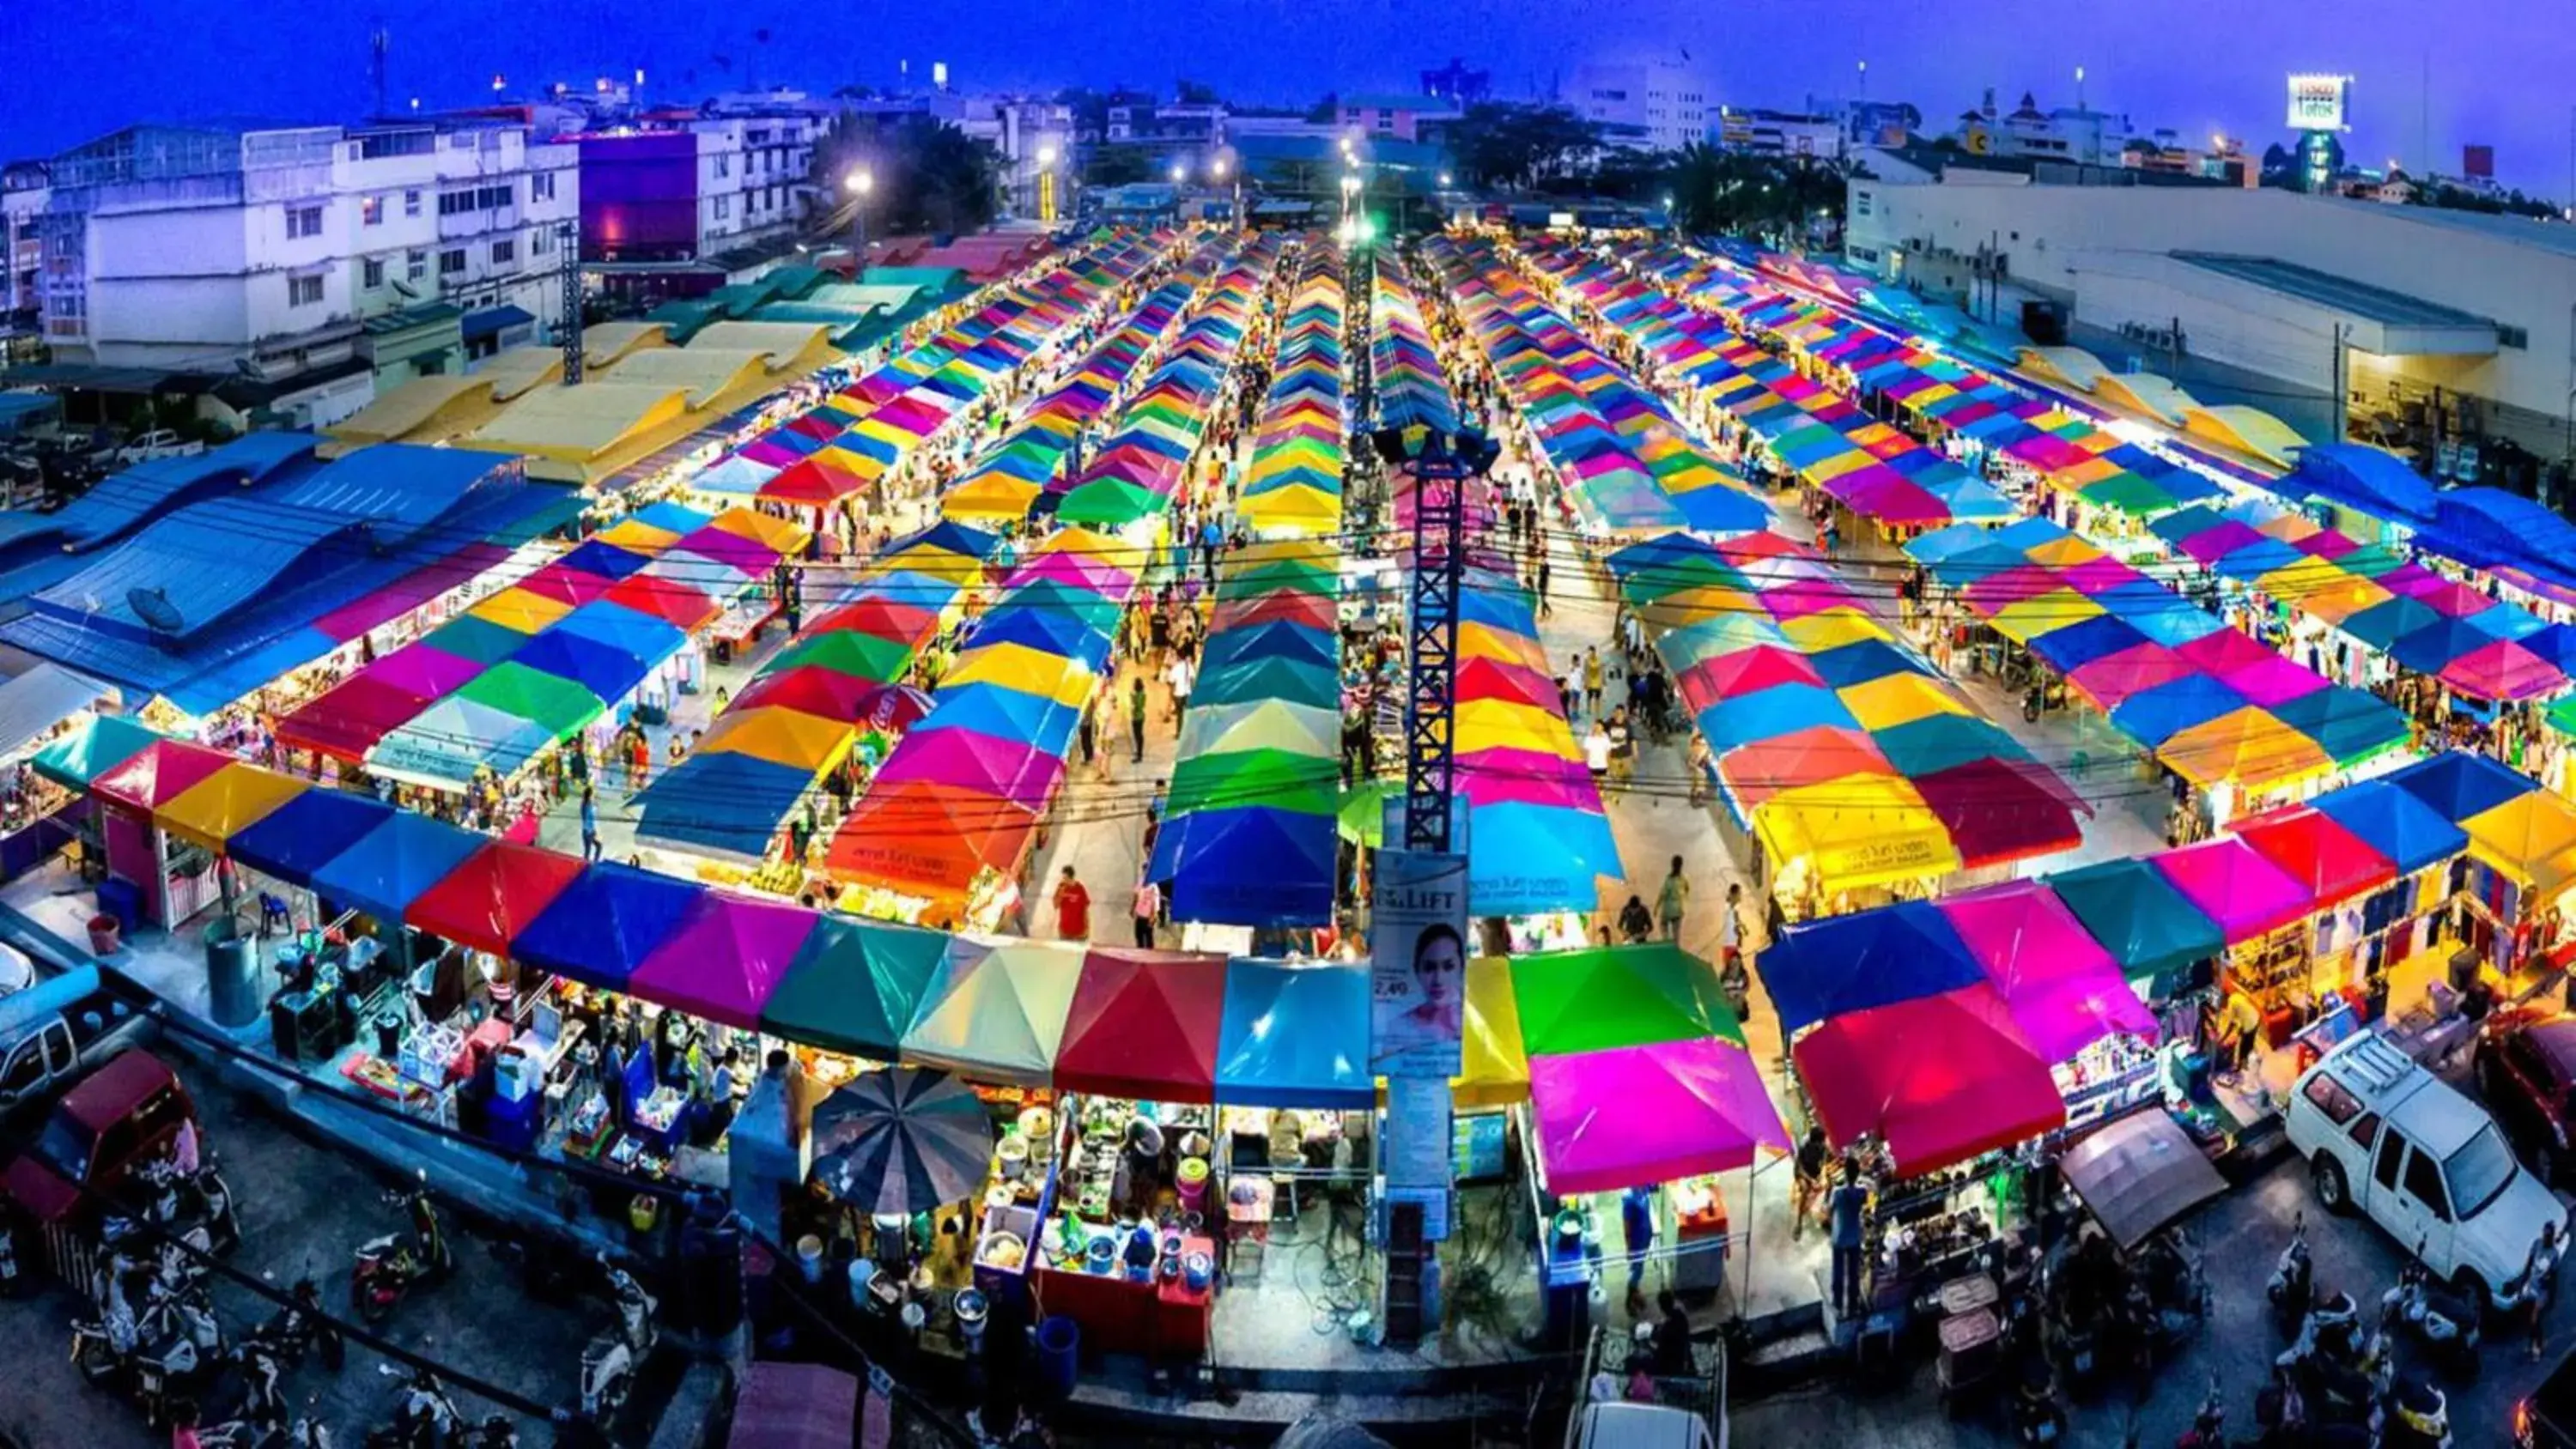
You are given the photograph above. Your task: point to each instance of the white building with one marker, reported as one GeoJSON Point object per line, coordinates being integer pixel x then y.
{"type": "Point", "coordinates": [754, 177]}
{"type": "Point", "coordinates": [1658, 103]}
{"type": "Point", "coordinates": [2067, 133]}
{"type": "Point", "coordinates": [314, 254]}
{"type": "Point", "coordinates": [1781, 133]}
{"type": "Point", "coordinates": [1034, 138]}
{"type": "Point", "coordinates": [2429, 317]}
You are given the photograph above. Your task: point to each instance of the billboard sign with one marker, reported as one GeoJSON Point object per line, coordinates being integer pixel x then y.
{"type": "Point", "coordinates": [1418, 978]}
{"type": "Point", "coordinates": [2319, 102]}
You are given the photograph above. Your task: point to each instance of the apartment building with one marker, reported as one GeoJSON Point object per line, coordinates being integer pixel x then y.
{"type": "Point", "coordinates": [676, 203]}
{"type": "Point", "coordinates": [299, 259]}
{"type": "Point", "coordinates": [1656, 104]}
{"type": "Point", "coordinates": [23, 188]}
{"type": "Point", "coordinates": [1785, 134]}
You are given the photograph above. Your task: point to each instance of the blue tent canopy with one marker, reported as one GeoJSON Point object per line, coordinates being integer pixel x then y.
{"type": "Point", "coordinates": [671, 517]}
{"type": "Point", "coordinates": [728, 803]}
{"type": "Point", "coordinates": [302, 835]}
{"type": "Point", "coordinates": [604, 669]}
{"type": "Point", "coordinates": [1720, 509]}
{"type": "Point", "coordinates": [2079, 644]}
{"type": "Point", "coordinates": [1045, 723]}
{"type": "Point", "coordinates": [2395, 823]}
{"type": "Point", "coordinates": [1981, 560]}
{"type": "Point", "coordinates": [1523, 858]}
{"type": "Point", "coordinates": [605, 924]}
{"type": "Point", "coordinates": [1249, 866]}
{"type": "Point", "coordinates": [2384, 623]}
{"type": "Point", "coordinates": [1851, 963]}
{"type": "Point", "coordinates": [1295, 1036]}
{"type": "Point", "coordinates": [395, 864]}
{"type": "Point", "coordinates": [1864, 660]}
{"type": "Point", "coordinates": [605, 559]}
{"type": "Point", "coordinates": [1259, 679]}
{"type": "Point", "coordinates": [2255, 560]}
{"type": "Point", "coordinates": [2376, 482]}
{"type": "Point", "coordinates": [1946, 543]}
{"type": "Point", "coordinates": [2158, 612]}
{"type": "Point", "coordinates": [2156, 715]}
{"type": "Point", "coordinates": [2148, 927]}
{"type": "Point", "coordinates": [2458, 785]}
{"type": "Point", "coordinates": [1044, 630]}
{"type": "Point", "coordinates": [629, 631]}
{"type": "Point", "coordinates": [1276, 639]}
{"type": "Point", "coordinates": [1770, 713]}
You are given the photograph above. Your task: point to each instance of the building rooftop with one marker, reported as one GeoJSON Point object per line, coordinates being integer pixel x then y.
{"type": "Point", "coordinates": [2341, 294]}
{"type": "Point", "coordinates": [2549, 236]}
{"type": "Point", "coordinates": [1394, 101]}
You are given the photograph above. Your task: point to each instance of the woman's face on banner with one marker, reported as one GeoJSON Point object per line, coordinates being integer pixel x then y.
{"type": "Point", "coordinates": [1437, 966]}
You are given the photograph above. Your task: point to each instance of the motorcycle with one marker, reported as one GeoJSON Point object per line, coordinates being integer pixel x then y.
{"type": "Point", "coordinates": [186, 1203]}
{"type": "Point", "coordinates": [2446, 1326]}
{"type": "Point", "coordinates": [2209, 1426]}
{"type": "Point", "coordinates": [113, 1354]}
{"type": "Point", "coordinates": [2169, 1294]}
{"type": "Point", "coordinates": [2340, 1366]}
{"type": "Point", "coordinates": [2294, 1280]}
{"type": "Point", "coordinates": [610, 1360]}
{"type": "Point", "coordinates": [386, 1267]}
{"type": "Point", "coordinates": [425, 1419]}
{"type": "Point", "coordinates": [2037, 1419]}
{"type": "Point", "coordinates": [263, 1378]}
{"type": "Point", "coordinates": [296, 1330]}
{"type": "Point", "coordinates": [2414, 1416]}
{"type": "Point", "coordinates": [10, 1279]}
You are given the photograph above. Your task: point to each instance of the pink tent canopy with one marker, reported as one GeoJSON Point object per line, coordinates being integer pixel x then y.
{"type": "Point", "coordinates": [1999, 591]}
{"type": "Point", "coordinates": [1097, 575]}
{"type": "Point", "coordinates": [1633, 1116]}
{"type": "Point", "coordinates": [725, 957]}
{"type": "Point", "coordinates": [422, 670]}
{"type": "Point", "coordinates": [2099, 575]}
{"type": "Point", "coordinates": [1941, 1079]}
{"type": "Point", "coordinates": [2138, 668]}
{"type": "Point", "coordinates": [1498, 776]}
{"type": "Point", "coordinates": [984, 763]}
{"type": "Point", "coordinates": [2502, 670]}
{"type": "Point", "coordinates": [2064, 991]}
{"type": "Point", "coordinates": [2269, 681]}
{"type": "Point", "coordinates": [2223, 650]}
{"type": "Point", "coordinates": [2235, 886]}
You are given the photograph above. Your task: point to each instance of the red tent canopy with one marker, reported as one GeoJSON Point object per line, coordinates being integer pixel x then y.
{"type": "Point", "coordinates": [160, 774]}
{"type": "Point", "coordinates": [813, 482]}
{"type": "Point", "coordinates": [928, 838]}
{"type": "Point", "coordinates": [1144, 1024]}
{"type": "Point", "coordinates": [487, 901]}
{"type": "Point", "coordinates": [683, 607]}
{"type": "Point", "coordinates": [347, 721]}
{"type": "Point", "coordinates": [1941, 1079]}
{"type": "Point", "coordinates": [2315, 850]}
{"type": "Point", "coordinates": [1998, 810]}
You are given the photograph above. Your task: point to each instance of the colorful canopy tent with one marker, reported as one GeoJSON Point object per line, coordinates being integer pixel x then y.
{"type": "Point", "coordinates": [2062, 989]}
{"type": "Point", "coordinates": [855, 986]}
{"type": "Point", "coordinates": [158, 773]}
{"type": "Point", "coordinates": [90, 751]}
{"type": "Point", "coordinates": [2329, 862]}
{"type": "Point", "coordinates": [1843, 964]}
{"type": "Point", "coordinates": [1579, 1001]}
{"type": "Point", "coordinates": [2458, 784]}
{"type": "Point", "coordinates": [392, 865]}
{"type": "Point", "coordinates": [725, 957]}
{"type": "Point", "coordinates": [2233, 885]}
{"type": "Point", "coordinates": [1633, 1116]}
{"type": "Point", "coordinates": [1493, 1064]}
{"type": "Point", "coordinates": [449, 742]}
{"type": "Point", "coordinates": [1144, 1025]}
{"type": "Point", "coordinates": [1940, 1079]}
{"type": "Point", "coordinates": [2531, 838]}
{"type": "Point", "coordinates": [901, 1142]}
{"type": "Point", "coordinates": [995, 1010]}
{"type": "Point", "coordinates": [2129, 906]}
{"type": "Point", "coordinates": [492, 895]}
{"type": "Point", "coordinates": [302, 835]}
{"type": "Point", "coordinates": [609, 921]}
{"type": "Point", "coordinates": [1295, 1035]}
{"type": "Point", "coordinates": [2393, 822]}
{"type": "Point", "coordinates": [232, 799]}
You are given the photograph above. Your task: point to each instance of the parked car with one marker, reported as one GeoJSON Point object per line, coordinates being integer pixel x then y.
{"type": "Point", "coordinates": [2382, 1134]}
{"type": "Point", "coordinates": [2547, 1419]}
{"type": "Point", "coordinates": [2526, 1070]}
{"type": "Point", "coordinates": [158, 443]}
{"type": "Point", "coordinates": [123, 1115]}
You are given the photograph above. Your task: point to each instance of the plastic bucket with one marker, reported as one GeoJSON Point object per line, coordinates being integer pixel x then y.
{"type": "Point", "coordinates": [1059, 1351]}
{"type": "Point", "coordinates": [809, 1257]}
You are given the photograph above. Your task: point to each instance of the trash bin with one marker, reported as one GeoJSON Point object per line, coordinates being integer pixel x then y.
{"type": "Point", "coordinates": [232, 975]}
{"type": "Point", "coordinates": [1059, 1349]}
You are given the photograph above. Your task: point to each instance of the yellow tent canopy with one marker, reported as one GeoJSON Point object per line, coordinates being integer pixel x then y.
{"type": "Point", "coordinates": [2530, 838]}
{"type": "Point", "coordinates": [1831, 629]}
{"type": "Point", "coordinates": [2246, 746]}
{"type": "Point", "coordinates": [225, 803]}
{"type": "Point", "coordinates": [2027, 620]}
{"type": "Point", "coordinates": [995, 496]}
{"type": "Point", "coordinates": [1030, 671]}
{"type": "Point", "coordinates": [781, 736]}
{"type": "Point", "coordinates": [1894, 699]}
{"type": "Point", "coordinates": [635, 533]}
{"type": "Point", "coordinates": [1483, 641]}
{"type": "Point", "coordinates": [779, 535]}
{"type": "Point", "coordinates": [1494, 1069]}
{"type": "Point", "coordinates": [1485, 724]}
{"type": "Point", "coordinates": [519, 610]}
{"type": "Point", "coordinates": [1863, 830]}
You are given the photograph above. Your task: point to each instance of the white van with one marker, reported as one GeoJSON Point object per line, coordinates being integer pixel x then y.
{"type": "Point", "coordinates": [2383, 1134]}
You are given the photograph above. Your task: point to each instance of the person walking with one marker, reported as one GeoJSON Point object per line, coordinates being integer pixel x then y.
{"type": "Point", "coordinates": [589, 824]}
{"type": "Point", "coordinates": [1592, 681]}
{"type": "Point", "coordinates": [1072, 908]}
{"type": "Point", "coordinates": [1136, 714]}
{"type": "Point", "coordinates": [1807, 1198]}
{"type": "Point", "coordinates": [1844, 1225]}
{"type": "Point", "coordinates": [1670, 900]}
{"type": "Point", "coordinates": [1637, 1234]}
{"type": "Point", "coordinates": [1182, 674]}
{"type": "Point", "coordinates": [1149, 904]}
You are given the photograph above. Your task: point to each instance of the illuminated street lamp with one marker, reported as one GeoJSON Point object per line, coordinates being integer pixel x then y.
{"type": "Point", "coordinates": [859, 181]}
{"type": "Point", "coordinates": [1046, 182]}
{"type": "Point", "coordinates": [1221, 169]}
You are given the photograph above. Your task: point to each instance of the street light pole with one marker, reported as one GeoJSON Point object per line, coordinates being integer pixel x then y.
{"type": "Point", "coordinates": [859, 182]}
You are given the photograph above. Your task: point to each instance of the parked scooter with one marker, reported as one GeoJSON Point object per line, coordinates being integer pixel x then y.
{"type": "Point", "coordinates": [612, 1358]}
{"type": "Point", "coordinates": [296, 1330]}
{"type": "Point", "coordinates": [2037, 1418]}
{"type": "Point", "coordinates": [184, 1202]}
{"type": "Point", "coordinates": [2294, 1281]}
{"type": "Point", "coordinates": [2446, 1325]}
{"type": "Point", "coordinates": [2415, 1415]}
{"type": "Point", "coordinates": [112, 1353]}
{"type": "Point", "coordinates": [2340, 1366]}
{"type": "Point", "coordinates": [386, 1267]}
{"type": "Point", "coordinates": [2209, 1426]}
{"type": "Point", "coordinates": [426, 1418]}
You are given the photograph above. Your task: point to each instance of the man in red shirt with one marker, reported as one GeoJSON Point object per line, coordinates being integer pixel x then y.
{"type": "Point", "coordinates": [1072, 909]}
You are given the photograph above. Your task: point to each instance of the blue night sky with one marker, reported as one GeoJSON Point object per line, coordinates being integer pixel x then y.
{"type": "Point", "coordinates": [2499, 69]}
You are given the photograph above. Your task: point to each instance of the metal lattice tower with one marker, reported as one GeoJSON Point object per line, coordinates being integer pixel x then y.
{"type": "Point", "coordinates": [1431, 671]}
{"type": "Point", "coordinates": [568, 322]}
